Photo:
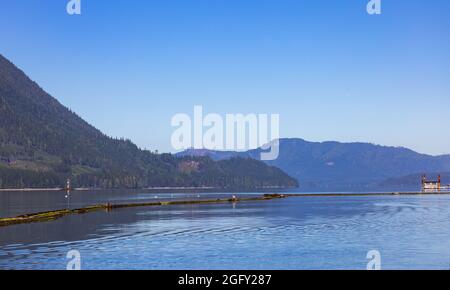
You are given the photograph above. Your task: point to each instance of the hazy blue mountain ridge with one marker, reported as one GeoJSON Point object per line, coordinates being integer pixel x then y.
{"type": "Point", "coordinates": [335, 164]}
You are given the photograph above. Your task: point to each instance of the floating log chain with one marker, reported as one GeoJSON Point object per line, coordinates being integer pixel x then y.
{"type": "Point", "coordinates": [56, 214]}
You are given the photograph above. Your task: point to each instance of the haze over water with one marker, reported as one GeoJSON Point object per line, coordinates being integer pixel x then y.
{"type": "Point", "coordinates": [410, 232]}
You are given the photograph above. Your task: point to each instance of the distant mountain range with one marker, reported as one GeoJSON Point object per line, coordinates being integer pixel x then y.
{"type": "Point", "coordinates": [414, 180]}
{"type": "Point", "coordinates": [42, 143]}
{"type": "Point", "coordinates": [334, 165]}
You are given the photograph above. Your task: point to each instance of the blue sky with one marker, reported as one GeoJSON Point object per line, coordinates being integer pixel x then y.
{"type": "Point", "coordinates": [329, 69]}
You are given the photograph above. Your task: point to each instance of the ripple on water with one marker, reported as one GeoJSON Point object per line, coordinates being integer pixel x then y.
{"type": "Point", "coordinates": [296, 234]}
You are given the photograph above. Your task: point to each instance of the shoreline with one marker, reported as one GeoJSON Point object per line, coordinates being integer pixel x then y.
{"type": "Point", "coordinates": [410, 193]}
{"type": "Point", "coordinates": [56, 214]}
{"type": "Point", "coordinates": [29, 189]}
{"type": "Point", "coordinates": [145, 188]}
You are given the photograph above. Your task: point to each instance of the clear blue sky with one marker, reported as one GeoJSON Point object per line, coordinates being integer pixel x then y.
{"type": "Point", "coordinates": [330, 70]}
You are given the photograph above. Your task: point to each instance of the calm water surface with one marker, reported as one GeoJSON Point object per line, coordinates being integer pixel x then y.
{"type": "Point", "coordinates": [410, 232]}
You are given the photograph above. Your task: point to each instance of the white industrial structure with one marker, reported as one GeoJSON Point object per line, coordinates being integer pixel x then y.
{"type": "Point", "coordinates": [433, 185]}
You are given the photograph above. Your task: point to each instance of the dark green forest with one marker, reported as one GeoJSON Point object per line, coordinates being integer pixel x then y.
{"type": "Point", "coordinates": [42, 143]}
